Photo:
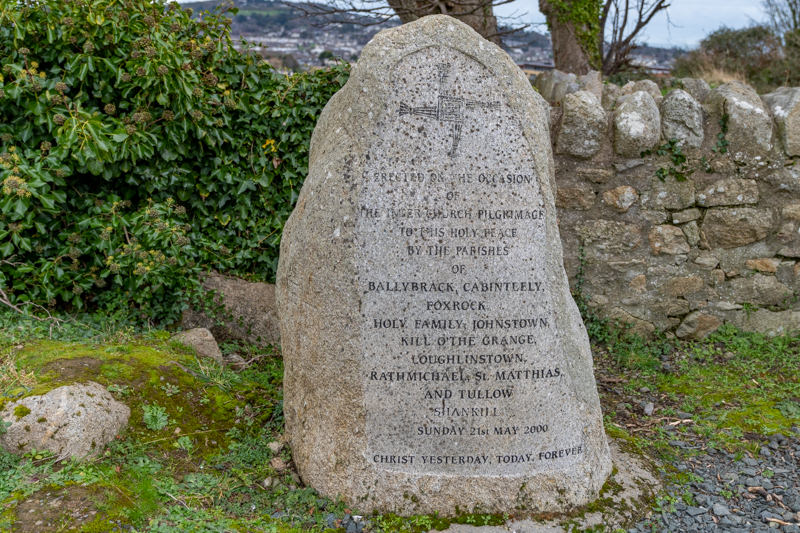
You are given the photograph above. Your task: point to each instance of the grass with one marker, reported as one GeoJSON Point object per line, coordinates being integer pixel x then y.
{"type": "Point", "coordinates": [194, 457]}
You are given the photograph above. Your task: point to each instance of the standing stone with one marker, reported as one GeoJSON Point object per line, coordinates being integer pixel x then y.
{"type": "Point", "coordinates": [637, 124]}
{"type": "Point", "coordinates": [434, 358]}
{"type": "Point", "coordinates": [682, 119]}
{"type": "Point", "coordinates": [583, 125]}
{"type": "Point", "coordinates": [785, 106]}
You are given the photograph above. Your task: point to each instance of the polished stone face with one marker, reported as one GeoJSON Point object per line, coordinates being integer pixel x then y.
{"type": "Point", "coordinates": [465, 372]}
{"type": "Point", "coordinates": [435, 360]}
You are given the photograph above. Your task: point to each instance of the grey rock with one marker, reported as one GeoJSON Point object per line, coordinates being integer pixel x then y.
{"type": "Point", "coordinates": [250, 307]}
{"type": "Point", "coordinates": [611, 93]}
{"type": "Point", "coordinates": [609, 236]}
{"type": "Point", "coordinates": [687, 215]}
{"type": "Point", "coordinates": [583, 125]}
{"type": "Point", "coordinates": [699, 89]}
{"type": "Point", "coordinates": [201, 341]}
{"type": "Point", "coordinates": [720, 509]}
{"type": "Point", "coordinates": [682, 119]}
{"type": "Point", "coordinates": [749, 123]}
{"type": "Point", "coordinates": [669, 194]}
{"type": "Point", "coordinates": [637, 124]}
{"type": "Point", "coordinates": [769, 322]}
{"type": "Point", "coordinates": [759, 289]}
{"type": "Point", "coordinates": [73, 421]}
{"type": "Point", "coordinates": [729, 191]}
{"type": "Point", "coordinates": [785, 106]}
{"type": "Point", "coordinates": [727, 227]}
{"type": "Point", "coordinates": [342, 241]}
{"type": "Point", "coordinates": [698, 325]}
{"type": "Point", "coordinates": [667, 239]}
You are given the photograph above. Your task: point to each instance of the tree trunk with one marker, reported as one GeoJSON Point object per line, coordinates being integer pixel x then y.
{"type": "Point", "coordinates": [568, 54]}
{"type": "Point", "coordinates": [478, 14]}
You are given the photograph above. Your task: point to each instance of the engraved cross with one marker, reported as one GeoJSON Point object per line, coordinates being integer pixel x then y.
{"type": "Point", "coordinates": [448, 109]}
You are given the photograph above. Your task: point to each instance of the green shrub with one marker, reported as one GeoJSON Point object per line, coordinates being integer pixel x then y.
{"type": "Point", "coordinates": [138, 147]}
{"type": "Point", "coordinates": [754, 54]}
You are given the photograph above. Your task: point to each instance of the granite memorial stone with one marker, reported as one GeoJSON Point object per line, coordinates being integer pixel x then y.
{"type": "Point", "coordinates": [434, 357]}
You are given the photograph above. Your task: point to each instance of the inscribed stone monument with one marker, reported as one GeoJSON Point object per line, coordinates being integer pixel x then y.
{"type": "Point", "coordinates": [434, 358]}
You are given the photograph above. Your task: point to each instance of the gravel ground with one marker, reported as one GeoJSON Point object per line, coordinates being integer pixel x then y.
{"type": "Point", "coordinates": [733, 493]}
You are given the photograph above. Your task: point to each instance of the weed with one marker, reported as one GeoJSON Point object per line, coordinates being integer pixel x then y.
{"type": "Point", "coordinates": [680, 169]}
{"type": "Point", "coordinates": [722, 143]}
{"type": "Point", "coordinates": [155, 417]}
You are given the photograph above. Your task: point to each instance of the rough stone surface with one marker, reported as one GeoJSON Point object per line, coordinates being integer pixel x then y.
{"type": "Point", "coordinates": [686, 215]}
{"type": "Point", "coordinates": [749, 123]}
{"type": "Point", "coordinates": [785, 106]}
{"type": "Point", "coordinates": [648, 86]}
{"type": "Point", "coordinates": [764, 264]}
{"type": "Point", "coordinates": [729, 191]}
{"type": "Point", "coordinates": [592, 82]}
{"type": "Point", "coordinates": [637, 124]}
{"type": "Point", "coordinates": [251, 308]}
{"type": "Point", "coordinates": [580, 197]}
{"type": "Point", "coordinates": [759, 289]}
{"type": "Point", "coordinates": [769, 322]}
{"type": "Point", "coordinates": [611, 93]}
{"type": "Point", "coordinates": [74, 421]}
{"type": "Point", "coordinates": [669, 194]}
{"type": "Point", "coordinates": [609, 235]}
{"type": "Point", "coordinates": [699, 89]}
{"type": "Point", "coordinates": [202, 341]}
{"type": "Point", "coordinates": [553, 85]}
{"type": "Point", "coordinates": [729, 227]}
{"type": "Point", "coordinates": [667, 239]}
{"type": "Point", "coordinates": [621, 198]}
{"type": "Point", "coordinates": [583, 125]}
{"type": "Point", "coordinates": [436, 133]}
{"type": "Point", "coordinates": [682, 119]}
{"type": "Point", "coordinates": [697, 326]}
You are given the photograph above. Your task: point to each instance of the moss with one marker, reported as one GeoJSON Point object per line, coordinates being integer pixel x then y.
{"type": "Point", "coordinates": [204, 407]}
{"type": "Point", "coordinates": [21, 411]}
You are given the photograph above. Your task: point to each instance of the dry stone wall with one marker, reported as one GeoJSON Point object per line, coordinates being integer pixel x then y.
{"type": "Point", "coordinates": [682, 209]}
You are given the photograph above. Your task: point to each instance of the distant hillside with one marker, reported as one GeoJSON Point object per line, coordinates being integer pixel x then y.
{"type": "Point", "coordinates": [285, 30]}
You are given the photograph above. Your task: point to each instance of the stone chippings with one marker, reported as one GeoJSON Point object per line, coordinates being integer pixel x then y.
{"type": "Point", "coordinates": [73, 421]}
{"type": "Point", "coordinates": [328, 245]}
{"type": "Point", "coordinates": [735, 494]}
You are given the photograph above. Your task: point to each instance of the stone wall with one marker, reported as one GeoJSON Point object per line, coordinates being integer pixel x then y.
{"type": "Point", "coordinates": [674, 245]}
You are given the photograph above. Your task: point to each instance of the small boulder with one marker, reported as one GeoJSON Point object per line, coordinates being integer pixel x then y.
{"type": "Point", "coordinates": [667, 239]}
{"type": "Point", "coordinates": [74, 421]}
{"type": "Point", "coordinates": [637, 124]}
{"type": "Point", "coordinates": [250, 304]}
{"type": "Point", "coordinates": [682, 119]}
{"type": "Point", "coordinates": [583, 125]}
{"type": "Point", "coordinates": [731, 227]}
{"type": "Point", "coordinates": [785, 106]}
{"type": "Point", "coordinates": [202, 341]}
{"type": "Point", "coordinates": [611, 93]}
{"type": "Point", "coordinates": [699, 89]}
{"type": "Point", "coordinates": [697, 326]}
{"type": "Point", "coordinates": [621, 198]}
{"type": "Point", "coordinates": [749, 124]}
{"type": "Point", "coordinates": [729, 191]}
{"type": "Point", "coordinates": [581, 197]}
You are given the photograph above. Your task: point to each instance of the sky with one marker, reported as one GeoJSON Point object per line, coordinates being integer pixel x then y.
{"type": "Point", "coordinates": [689, 20]}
